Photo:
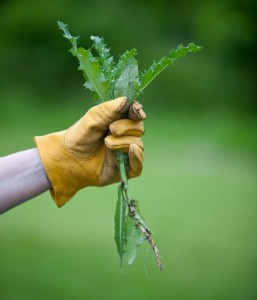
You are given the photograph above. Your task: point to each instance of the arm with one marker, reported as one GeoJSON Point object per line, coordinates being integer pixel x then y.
{"type": "Point", "coordinates": [83, 155]}
{"type": "Point", "coordinates": [22, 177]}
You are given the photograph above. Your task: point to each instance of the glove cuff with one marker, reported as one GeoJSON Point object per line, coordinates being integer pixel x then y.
{"type": "Point", "coordinates": [66, 172]}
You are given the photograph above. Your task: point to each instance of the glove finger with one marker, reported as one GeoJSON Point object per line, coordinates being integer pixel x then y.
{"type": "Point", "coordinates": [122, 143]}
{"type": "Point", "coordinates": [84, 135]}
{"type": "Point", "coordinates": [127, 127]}
{"type": "Point", "coordinates": [136, 112]}
{"type": "Point", "coordinates": [136, 158]}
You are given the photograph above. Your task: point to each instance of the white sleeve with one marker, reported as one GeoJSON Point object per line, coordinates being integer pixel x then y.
{"type": "Point", "coordinates": [22, 177]}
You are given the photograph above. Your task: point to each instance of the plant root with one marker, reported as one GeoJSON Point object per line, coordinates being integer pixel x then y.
{"type": "Point", "coordinates": [152, 243]}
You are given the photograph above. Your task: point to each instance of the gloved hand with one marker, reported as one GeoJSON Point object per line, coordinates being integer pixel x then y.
{"type": "Point", "coordinates": [83, 155]}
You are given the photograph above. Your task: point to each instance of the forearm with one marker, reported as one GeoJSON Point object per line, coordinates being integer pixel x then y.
{"type": "Point", "coordinates": [22, 177]}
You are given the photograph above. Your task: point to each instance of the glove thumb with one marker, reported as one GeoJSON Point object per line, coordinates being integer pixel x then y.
{"type": "Point", "coordinates": [85, 135]}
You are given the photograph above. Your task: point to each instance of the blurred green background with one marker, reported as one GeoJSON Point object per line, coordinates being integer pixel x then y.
{"type": "Point", "coordinates": [198, 190]}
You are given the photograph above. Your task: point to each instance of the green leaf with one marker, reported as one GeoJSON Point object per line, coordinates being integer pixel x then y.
{"type": "Point", "coordinates": [120, 218]}
{"type": "Point", "coordinates": [139, 219]}
{"type": "Point", "coordinates": [133, 239]}
{"type": "Point", "coordinates": [106, 80]}
{"type": "Point", "coordinates": [67, 35]}
{"type": "Point", "coordinates": [90, 66]}
{"type": "Point", "coordinates": [128, 82]}
{"type": "Point", "coordinates": [105, 59]}
{"type": "Point", "coordinates": [123, 61]}
{"type": "Point", "coordinates": [156, 68]}
{"type": "Point", "coordinates": [92, 69]}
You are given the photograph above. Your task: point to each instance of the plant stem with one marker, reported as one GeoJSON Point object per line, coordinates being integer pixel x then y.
{"type": "Point", "coordinates": [122, 158]}
{"type": "Point", "coordinates": [123, 163]}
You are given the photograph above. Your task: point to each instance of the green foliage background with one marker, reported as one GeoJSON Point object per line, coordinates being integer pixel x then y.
{"type": "Point", "coordinates": [198, 189]}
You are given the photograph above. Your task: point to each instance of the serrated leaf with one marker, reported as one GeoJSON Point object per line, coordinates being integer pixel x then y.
{"type": "Point", "coordinates": [89, 66]}
{"type": "Point", "coordinates": [105, 59]}
{"type": "Point", "coordinates": [128, 82]}
{"type": "Point", "coordinates": [120, 218]}
{"type": "Point", "coordinates": [67, 35]}
{"type": "Point", "coordinates": [106, 80]}
{"type": "Point", "coordinates": [156, 68]}
{"type": "Point", "coordinates": [133, 240]}
{"type": "Point", "coordinates": [123, 61]}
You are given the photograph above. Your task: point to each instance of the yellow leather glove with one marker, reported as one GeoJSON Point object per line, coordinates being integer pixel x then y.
{"type": "Point", "coordinates": [83, 155]}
